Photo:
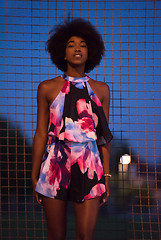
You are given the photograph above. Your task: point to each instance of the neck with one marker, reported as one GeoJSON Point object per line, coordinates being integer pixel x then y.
{"type": "Point", "coordinates": [75, 71]}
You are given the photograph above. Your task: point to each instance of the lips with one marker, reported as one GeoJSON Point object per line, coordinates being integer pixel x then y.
{"type": "Point", "coordinates": [77, 55]}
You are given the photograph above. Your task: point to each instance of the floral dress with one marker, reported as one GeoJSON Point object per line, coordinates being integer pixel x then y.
{"type": "Point", "coordinates": [71, 167]}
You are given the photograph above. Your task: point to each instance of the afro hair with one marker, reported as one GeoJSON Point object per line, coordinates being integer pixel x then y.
{"type": "Point", "coordinates": [79, 27]}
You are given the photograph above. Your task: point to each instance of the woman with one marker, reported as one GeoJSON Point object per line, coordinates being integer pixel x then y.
{"type": "Point", "coordinates": [71, 146]}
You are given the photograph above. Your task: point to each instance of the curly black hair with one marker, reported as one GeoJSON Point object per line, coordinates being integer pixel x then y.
{"type": "Point", "coordinates": [79, 27]}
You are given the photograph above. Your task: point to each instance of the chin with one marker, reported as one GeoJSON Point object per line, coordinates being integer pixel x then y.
{"type": "Point", "coordinates": [77, 63]}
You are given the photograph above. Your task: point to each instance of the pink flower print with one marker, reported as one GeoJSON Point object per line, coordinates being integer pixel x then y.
{"type": "Point", "coordinates": [99, 170]}
{"type": "Point", "coordinates": [93, 164]}
{"type": "Point", "coordinates": [79, 158]}
{"type": "Point", "coordinates": [52, 119]}
{"type": "Point", "coordinates": [66, 87]}
{"type": "Point", "coordinates": [55, 132]}
{"type": "Point", "coordinates": [66, 177]}
{"type": "Point", "coordinates": [58, 128]}
{"type": "Point", "coordinates": [51, 136]}
{"type": "Point", "coordinates": [54, 172]}
{"type": "Point", "coordinates": [86, 124]}
{"type": "Point", "coordinates": [88, 160]}
{"type": "Point", "coordinates": [88, 118]}
{"type": "Point", "coordinates": [74, 132]}
{"type": "Point", "coordinates": [95, 119]}
{"type": "Point", "coordinates": [96, 191]}
{"type": "Point", "coordinates": [55, 115]}
{"type": "Point", "coordinates": [84, 109]}
{"type": "Point", "coordinates": [54, 175]}
{"type": "Point", "coordinates": [96, 100]}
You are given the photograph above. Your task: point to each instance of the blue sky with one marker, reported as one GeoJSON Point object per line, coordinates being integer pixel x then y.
{"type": "Point", "coordinates": [131, 67]}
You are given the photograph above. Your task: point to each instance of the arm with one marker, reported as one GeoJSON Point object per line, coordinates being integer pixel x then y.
{"type": "Point", "coordinates": [105, 149]}
{"type": "Point", "coordinates": [105, 156]}
{"type": "Point", "coordinates": [40, 138]}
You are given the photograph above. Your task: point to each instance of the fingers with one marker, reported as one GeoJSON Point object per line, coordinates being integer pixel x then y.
{"type": "Point", "coordinates": [104, 198]}
{"type": "Point", "coordinates": [39, 198]}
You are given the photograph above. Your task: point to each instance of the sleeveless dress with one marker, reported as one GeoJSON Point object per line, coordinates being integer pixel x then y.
{"type": "Point", "coordinates": [71, 167]}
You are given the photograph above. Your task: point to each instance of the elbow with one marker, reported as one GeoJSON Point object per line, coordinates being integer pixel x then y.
{"type": "Point", "coordinates": [41, 134]}
{"type": "Point", "coordinates": [106, 147]}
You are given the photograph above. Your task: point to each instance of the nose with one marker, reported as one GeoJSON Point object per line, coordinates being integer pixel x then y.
{"type": "Point", "coordinates": [77, 48]}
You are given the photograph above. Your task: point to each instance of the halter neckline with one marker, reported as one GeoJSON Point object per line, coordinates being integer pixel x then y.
{"type": "Point", "coordinates": [75, 79]}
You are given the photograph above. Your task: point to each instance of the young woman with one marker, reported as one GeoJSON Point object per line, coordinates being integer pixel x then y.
{"type": "Point", "coordinates": [71, 146]}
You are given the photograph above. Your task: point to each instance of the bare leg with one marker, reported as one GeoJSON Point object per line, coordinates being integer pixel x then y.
{"type": "Point", "coordinates": [86, 217]}
{"type": "Point", "coordinates": [55, 211]}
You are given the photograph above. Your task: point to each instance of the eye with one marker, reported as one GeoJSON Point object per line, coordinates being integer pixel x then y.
{"type": "Point", "coordinates": [70, 46]}
{"type": "Point", "coordinates": [84, 46]}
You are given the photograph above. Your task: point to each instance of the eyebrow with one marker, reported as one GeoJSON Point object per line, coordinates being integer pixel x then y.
{"type": "Point", "coordinates": [73, 41]}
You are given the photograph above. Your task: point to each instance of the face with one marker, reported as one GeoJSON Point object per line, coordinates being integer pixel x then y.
{"type": "Point", "coordinates": [76, 51]}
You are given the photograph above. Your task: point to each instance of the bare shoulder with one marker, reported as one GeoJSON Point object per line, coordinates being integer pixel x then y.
{"type": "Point", "coordinates": [50, 88]}
{"type": "Point", "coordinates": [101, 89]}
{"type": "Point", "coordinates": [50, 85]}
{"type": "Point", "coordinates": [101, 85]}
{"type": "Point", "coordinates": [47, 84]}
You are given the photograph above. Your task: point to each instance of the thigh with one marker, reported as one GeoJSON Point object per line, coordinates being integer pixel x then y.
{"type": "Point", "coordinates": [86, 214]}
{"type": "Point", "coordinates": [55, 211]}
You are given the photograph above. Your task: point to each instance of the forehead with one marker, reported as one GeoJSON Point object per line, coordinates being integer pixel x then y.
{"type": "Point", "coordinates": [75, 39]}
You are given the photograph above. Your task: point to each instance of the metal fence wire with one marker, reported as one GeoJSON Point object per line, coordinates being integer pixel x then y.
{"type": "Point", "coordinates": [131, 31]}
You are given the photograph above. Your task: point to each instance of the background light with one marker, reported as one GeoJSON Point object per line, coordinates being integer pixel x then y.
{"type": "Point", "coordinates": [125, 159]}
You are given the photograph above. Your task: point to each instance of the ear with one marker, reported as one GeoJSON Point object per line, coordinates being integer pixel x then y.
{"type": "Point", "coordinates": [65, 58]}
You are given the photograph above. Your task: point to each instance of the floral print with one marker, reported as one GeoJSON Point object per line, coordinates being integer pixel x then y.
{"type": "Point", "coordinates": [65, 128]}
{"type": "Point", "coordinates": [57, 167]}
{"type": "Point", "coordinates": [77, 131]}
{"type": "Point", "coordinates": [71, 166]}
{"type": "Point", "coordinates": [96, 190]}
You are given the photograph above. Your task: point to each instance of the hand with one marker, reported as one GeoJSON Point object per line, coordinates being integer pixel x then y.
{"type": "Point", "coordinates": [106, 194]}
{"type": "Point", "coordinates": [38, 196]}
{"type": "Point", "coordinates": [104, 198]}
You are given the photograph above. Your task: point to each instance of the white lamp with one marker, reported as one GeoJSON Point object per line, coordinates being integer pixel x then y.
{"type": "Point", "coordinates": [123, 165]}
{"type": "Point", "coordinates": [125, 159]}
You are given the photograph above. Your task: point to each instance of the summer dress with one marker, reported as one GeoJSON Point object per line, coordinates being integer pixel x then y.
{"type": "Point", "coordinates": [71, 167]}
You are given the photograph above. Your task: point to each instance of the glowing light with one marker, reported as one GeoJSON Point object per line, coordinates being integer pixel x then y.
{"type": "Point", "coordinates": [125, 159]}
